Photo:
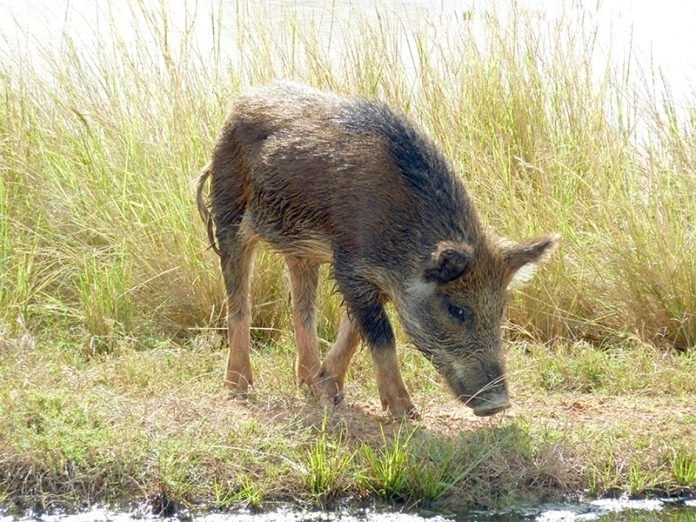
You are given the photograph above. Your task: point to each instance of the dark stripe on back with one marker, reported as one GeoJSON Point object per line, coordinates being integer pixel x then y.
{"type": "Point", "coordinates": [420, 162]}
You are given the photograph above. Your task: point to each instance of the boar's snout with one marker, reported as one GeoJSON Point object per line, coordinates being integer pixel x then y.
{"type": "Point", "coordinates": [490, 403]}
{"type": "Point", "coordinates": [480, 385]}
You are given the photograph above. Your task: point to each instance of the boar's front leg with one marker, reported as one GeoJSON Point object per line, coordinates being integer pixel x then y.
{"type": "Point", "coordinates": [332, 374]}
{"type": "Point", "coordinates": [365, 305]}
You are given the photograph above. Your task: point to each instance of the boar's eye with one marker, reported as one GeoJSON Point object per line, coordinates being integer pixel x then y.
{"type": "Point", "coordinates": [460, 314]}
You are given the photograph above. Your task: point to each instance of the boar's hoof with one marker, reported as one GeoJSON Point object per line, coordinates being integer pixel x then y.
{"type": "Point", "coordinates": [331, 400]}
{"type": "Point", "coordinates": [404, 410]}
{"type": "Point", "coordinates": [413, 414]}
{"type": "Point", "coordinates": [328, 390]}
{"type": "Point", "coordinates": [238, 395]}
{"type": "Point", "coordinates": [237, 389]}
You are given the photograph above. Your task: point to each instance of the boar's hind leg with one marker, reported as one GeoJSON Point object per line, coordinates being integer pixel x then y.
{"type": "Point", "coordinates": [237, 256]}
{"type": "Point", "coordinates": [304, 280]}
{"type": "Point", "coordinates": [365, 305]}
{"type": "Point", "coordinates": [333, 371]}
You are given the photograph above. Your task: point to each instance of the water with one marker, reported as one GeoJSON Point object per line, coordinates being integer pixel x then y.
{"type": "Point", "coordinates": [648, 510]}
{"type": "Point", "coordinates": [654, 36]}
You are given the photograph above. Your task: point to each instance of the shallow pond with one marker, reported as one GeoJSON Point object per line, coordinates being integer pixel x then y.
{"type": "Point", "coordinates": [676, 510]}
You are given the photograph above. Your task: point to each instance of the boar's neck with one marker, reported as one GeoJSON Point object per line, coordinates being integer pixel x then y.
{"type": "Point", "coordinates": [444, 206]}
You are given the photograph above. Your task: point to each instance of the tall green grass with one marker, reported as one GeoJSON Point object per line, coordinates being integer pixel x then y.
{"type": "Point", "coordinates": [100, 241]}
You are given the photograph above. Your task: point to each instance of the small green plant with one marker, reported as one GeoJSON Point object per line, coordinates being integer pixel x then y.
{"type": "Point", "coordinates": [243, 492]}
{"type": "Point", "coordinates": [250, 494]}
{"type": "Point", "coordinates": [177, 468]}
{"type": "Point", "coordinates": [639, 479]}
{"type": "Point", "coordinates": [438, 471]}
{"type": "Point", "coordinates": [389, 467]}
{"type": "Point", "coordinates": [324, 463]}
{"type": "Point", "coordinates": [683, 465]}
{"type": "Point", "coordinates": [224, 495]}
{"type": "Point", "coordinates": [552, 376]}
{"type": "Point", "coordinates": [602, 475]}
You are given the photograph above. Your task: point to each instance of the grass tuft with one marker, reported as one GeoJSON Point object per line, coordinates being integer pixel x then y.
{"type": "Point", "coordinates": [387, 468]}
{"type": "Point", "coordinates": [324, 464]}
{"type": "Point", "coordinates": [683, 466]}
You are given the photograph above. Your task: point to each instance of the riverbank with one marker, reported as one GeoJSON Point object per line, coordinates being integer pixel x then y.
{"type": "Point", "coordinates": [152, 424]}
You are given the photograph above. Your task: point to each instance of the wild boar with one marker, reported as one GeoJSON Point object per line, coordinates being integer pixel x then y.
{"type": "Point", "coordinates": [349, 181]}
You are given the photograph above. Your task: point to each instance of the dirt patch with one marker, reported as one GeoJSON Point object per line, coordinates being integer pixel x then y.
{"type": "Point", "coordinates": [442, 417]}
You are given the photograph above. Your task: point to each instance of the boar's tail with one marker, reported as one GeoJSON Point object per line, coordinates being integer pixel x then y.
{"type": "Point", "coordinates": [204, 206]}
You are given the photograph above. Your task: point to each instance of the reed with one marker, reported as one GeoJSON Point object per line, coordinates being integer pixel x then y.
{"type": "Point", "coordinates": [99, 234]}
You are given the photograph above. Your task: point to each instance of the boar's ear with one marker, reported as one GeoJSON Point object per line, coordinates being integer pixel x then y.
{"type": "Point", "coordinates": [449, 261]}
{"type": "Point", "coordinates": [522, 258]}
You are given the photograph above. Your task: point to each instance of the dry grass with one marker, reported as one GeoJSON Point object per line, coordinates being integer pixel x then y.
{"type": "Point", "coordinates": [99, 236]}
